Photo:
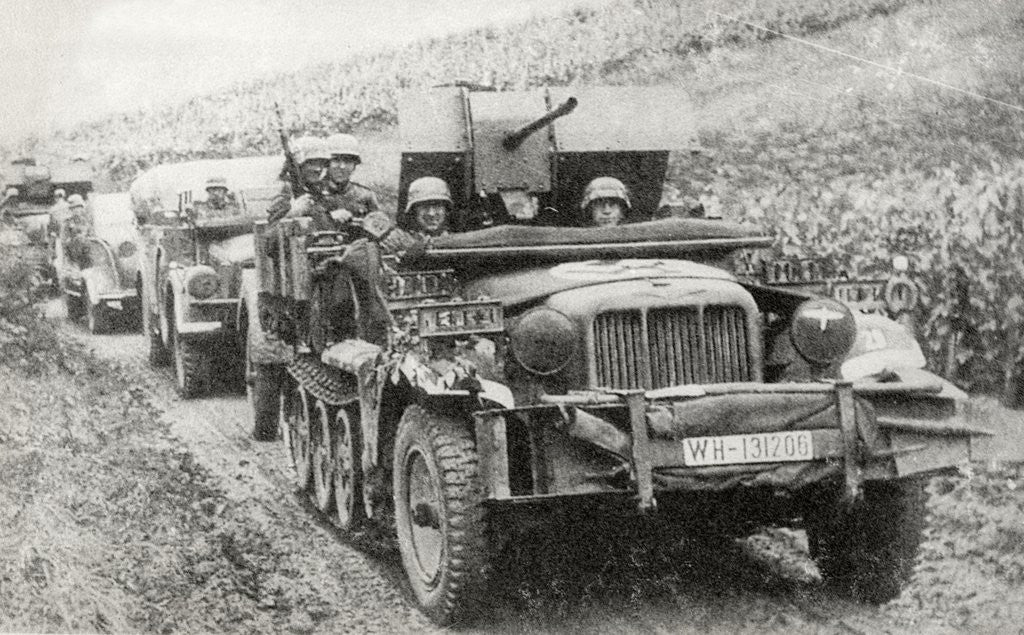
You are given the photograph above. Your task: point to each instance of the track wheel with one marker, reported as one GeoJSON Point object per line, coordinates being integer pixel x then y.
{"type": "Point", "coordinates": [322, 494]}
{"type": "Point", "coordinates": [295, 428]}
{"type": "Point", "coordinates": [191, 367]}
{"type": "Point", "coordinates": [348, 494]}
{"type": "Point", "coordinates": [73, 305]}
{"type": "Point", "coordinates": [439, 514]}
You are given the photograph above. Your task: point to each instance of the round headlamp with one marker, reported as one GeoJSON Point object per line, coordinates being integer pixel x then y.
{"type": "Point", "coordinates": [543, 341]}
{"type": "Point", "coordinates": [126, 249]}
{"type": "Point", "coordinates": [203, 284]}
{"type": "Point", "coordinates": [823, 330]}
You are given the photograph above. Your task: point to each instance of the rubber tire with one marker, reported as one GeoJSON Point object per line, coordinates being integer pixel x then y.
{"type": "Point", "coordinates": [159, 356]}
{"type": "Point", "coordinates": [96, 316]}
{"type": "Point", "coordinates": [191, 368]}
{"type": "Point", "coordinates": [449, 451]}
{"type": "Point", "coordinates": [321, 422]}
{"type": "Point", "coordinates": [263, 392]}
{"type": "Point", "coordinates": [867, 552]}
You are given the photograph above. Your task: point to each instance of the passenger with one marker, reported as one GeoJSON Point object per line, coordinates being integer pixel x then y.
{"type": "Point", "coordinates": [605, 202]}
{"type": "Point", "coordinates": [74, 232]}
{"type": "Point", "coordinates": [313, 159]}
{"type": "Point", "coordinates": [220, 202]}
{"type": "Point", "coordinates": [426, 215]}
{"type": "Point", "coordinates": [59, 211]}
{"type": "Point", "coordinates": [348, 199]}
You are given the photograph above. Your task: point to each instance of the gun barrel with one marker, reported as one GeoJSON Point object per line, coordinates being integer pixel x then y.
{"type": "Point", "coordinates": [516, 137]}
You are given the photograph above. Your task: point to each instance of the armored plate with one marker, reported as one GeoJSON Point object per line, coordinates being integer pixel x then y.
{"type": "Point", "coordinates": [433, 121]}
{"type": "Point", "coordinates": [633, 119]}
{"type": "Point", "coordinates": [497, 168]}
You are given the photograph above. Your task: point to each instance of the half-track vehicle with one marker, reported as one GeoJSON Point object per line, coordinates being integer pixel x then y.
{"type": "Point", "coordinates": [535, 366]}
{"type": "Point", "coordinates": [29, 191]}
{"type": "Point", "coordinates": [193, 263]}
{"type": "Point", "coordinates": [97, 273]}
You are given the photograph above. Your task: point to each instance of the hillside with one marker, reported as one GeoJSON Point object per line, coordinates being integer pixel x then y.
{"type": "Point", "coordinates": [855, 129]}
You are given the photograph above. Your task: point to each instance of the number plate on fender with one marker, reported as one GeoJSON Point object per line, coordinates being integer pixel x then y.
{"type": "Point", "coordinates": [482, 316]}
{"type": "Point", "coordinates": [767, 447]}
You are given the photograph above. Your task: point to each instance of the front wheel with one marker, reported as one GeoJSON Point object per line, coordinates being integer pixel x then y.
{"type": "Point", "coordinates": [96, 316]}
{"type": "Point", "coordinates": [73, 304]}
{"type": "Point", "coordinates": [439, 513]}
{"type": "Point", "coordinates": [867, 551]}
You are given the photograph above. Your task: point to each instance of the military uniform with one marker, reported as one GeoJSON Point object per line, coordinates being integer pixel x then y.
{"type": "Point", "coordinates": [209, 210]}
{"type": "Point", "coordinates": [358, 199]}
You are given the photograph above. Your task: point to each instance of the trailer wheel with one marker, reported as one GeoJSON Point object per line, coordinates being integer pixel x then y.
{"type": "Point", "coordinates": [348, 473]}
{"type": "Point", "coordinates": [295, 428]}
{"type": "Point", "coordinates": [191, 367]}
{"type": "Point", "coordinates": [439, 514]}
{"type": "Point", "coordinates": [867, 551]}
{"type": "Point", "coordinates": [322, 443]}
{"type": "Point", "coordinates": [263, 392]}
{"type": "Point", "coordinates": [96, 316]}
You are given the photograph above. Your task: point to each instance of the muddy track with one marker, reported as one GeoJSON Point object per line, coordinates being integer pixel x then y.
{"type": "Point", "coordinates": [763, 584]}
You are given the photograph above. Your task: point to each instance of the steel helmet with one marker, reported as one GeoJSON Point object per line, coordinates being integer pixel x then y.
{"type": "Point", "coordinates": [428, 188]}
{"type": "Point", "coordinates": [344, 145]}
{"type": "Point", "coordinates": [605, 187]}
{"type": "Point", "coordinates": [59, 193]}
{"type": "Point", "coordinates": [76, 200]}
{"type": "Point", "coordinates": [216, 181]}
{"type": "Point", "coordinates": [309, 148]}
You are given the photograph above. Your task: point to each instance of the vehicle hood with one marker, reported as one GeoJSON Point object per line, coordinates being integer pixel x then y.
{"type": "Point", "coordinates": [530, 285]}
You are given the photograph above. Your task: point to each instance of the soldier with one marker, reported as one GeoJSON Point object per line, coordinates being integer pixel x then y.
{"type": "Point", "coordinates": [313, 160]}
{"type": "Point", "coordinates": [59, 211]}
{"type": "Point", "coordinates": [73, 232]}
{"type": "Point", "coordinates": [605, 202]}
{"type": "Point", "coordinates": [350, 199]}
{"type": "Point", "coordinates": [427, 214]}
{"type": "Point", "coordinates": [219, 201]}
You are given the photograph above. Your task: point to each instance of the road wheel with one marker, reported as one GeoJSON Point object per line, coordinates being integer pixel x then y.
{"type": "Point", "coordinates": [348, 473]}
{"type": "Point", "coordinates": [263, 392]}
{"type": "Point", "coordinates": [439, 513]}
{"type": "Point", "coordinates": [295, 428]}
{"type": "Point", "coordinates": [322, 441]}
{"type": "Point", "coordinates": [191, 367]}
{"type": "Point", "coordinates": [867, 551]}
{"type": "Point", "coordinates": [96, 316]}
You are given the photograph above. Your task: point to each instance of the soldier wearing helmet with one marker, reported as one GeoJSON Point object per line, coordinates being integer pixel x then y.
{"type": "Point", "coordinates": [59, 211]}
{"type": "Point", "coordinates": [348, 198]}
{"type": "Point", "coordinates": [605, 202]}
{"type": "Point", "coordinates": [427, 214]}
{"type": "Point", "coordinates": [312, 158]}
{"type": "Point", "coordinates": [220, 202]}
{"type": "Point", "coordinates": [74, 230]}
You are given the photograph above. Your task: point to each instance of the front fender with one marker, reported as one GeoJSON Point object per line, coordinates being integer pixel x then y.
{"type": "Point", "coordinates": [882, 345]}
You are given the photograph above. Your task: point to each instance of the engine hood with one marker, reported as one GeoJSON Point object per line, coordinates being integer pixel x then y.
{"type": "Point", "coordinates": [531, 285]}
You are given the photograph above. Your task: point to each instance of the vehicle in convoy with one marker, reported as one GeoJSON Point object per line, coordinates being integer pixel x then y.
{"type": "Point", "coordinates": [29, 191]}
{"type": "Point", "coordinates": [196, 263]}
{"type": "Point", "coordinates": [536, 366]}
{"type": "Point", "coordinates": [101, 283]}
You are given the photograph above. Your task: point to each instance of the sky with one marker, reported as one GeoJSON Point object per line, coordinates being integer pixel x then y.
{"type": "Point", "coordinates": [63, 61]}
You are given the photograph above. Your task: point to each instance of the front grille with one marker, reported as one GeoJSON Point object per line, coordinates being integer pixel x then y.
{"type": "Point", "coordinates": [669, 347]}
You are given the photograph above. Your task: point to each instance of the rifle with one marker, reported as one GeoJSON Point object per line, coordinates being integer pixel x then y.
{"type": "Point", "coordinates": [291, 170]}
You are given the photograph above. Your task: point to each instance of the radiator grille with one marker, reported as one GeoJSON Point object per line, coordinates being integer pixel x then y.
{"type": "Point", "coordinates": [669, 347]}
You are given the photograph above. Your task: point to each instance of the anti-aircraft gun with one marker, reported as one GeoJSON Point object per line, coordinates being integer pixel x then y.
{"type": "Point", "coordinates": [535, 366]}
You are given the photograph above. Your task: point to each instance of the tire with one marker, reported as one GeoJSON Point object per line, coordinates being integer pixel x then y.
{"type": "Point", "coordinates": [191, 367]}
{"type": "Point", "coordinates": [294, 423]}
{"type": "Point", "coordinates": [439, 514]}
{"type": "Point", "coordinates": [159, 356]}
{"type": "Point", "coordinates": [349, 512]}
{"type": "Point", "coordinates": [263, 392]}
{"type": "Point", "coordinates": [96, 316]}
{"type": "Point", "coordinates": [867, 552]}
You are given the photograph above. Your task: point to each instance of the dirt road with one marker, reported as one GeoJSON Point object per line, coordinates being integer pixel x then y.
{"type": "Point", "coordinates": [763, 584]}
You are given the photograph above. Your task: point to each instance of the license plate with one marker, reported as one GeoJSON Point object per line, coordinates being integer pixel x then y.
{"type": "Point", "coordinates": [459, 319]}
{"type": "Point", "coordinates": [768, 447]}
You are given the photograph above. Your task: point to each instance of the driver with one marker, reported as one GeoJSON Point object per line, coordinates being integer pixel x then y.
{"type": "Point", "coordinates": [219, 201]}
{"type": "Point", "coordinates": [74, 230]}
{"type": "Point", "coordinates": [605, 202]}
{"type": "Point", "coordinates": [427, 215]}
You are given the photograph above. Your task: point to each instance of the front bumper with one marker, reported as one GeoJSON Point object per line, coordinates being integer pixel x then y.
{"type": "Point", "coordinates": [634, 441]}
